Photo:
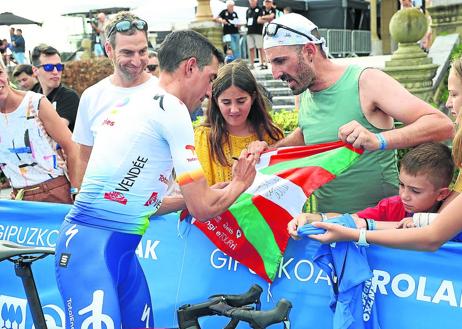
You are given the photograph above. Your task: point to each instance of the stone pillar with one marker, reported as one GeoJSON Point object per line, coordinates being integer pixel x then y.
{"type": "Point", "coordinates": [446, 17]}
{"type": "Point", "coordinates": [376, 44]}
{"type": "Point", "coordinates": [86, 45]}
{"type": "Point", "coordinates": [387, 10]}
{"type": "Point", "coordinates": [410, 65]}
{"type": "Point", "coordinates": [205, 25]}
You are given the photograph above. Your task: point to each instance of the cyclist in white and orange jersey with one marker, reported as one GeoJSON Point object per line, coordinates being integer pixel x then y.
{"type": "Point", "coordinates": [138, 143]}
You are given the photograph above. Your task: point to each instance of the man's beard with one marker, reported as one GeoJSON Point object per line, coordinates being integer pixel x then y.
{"type": "Point", "coordinates": [128, 75]}
{"type": "Point", "coordinates": [305, 78]}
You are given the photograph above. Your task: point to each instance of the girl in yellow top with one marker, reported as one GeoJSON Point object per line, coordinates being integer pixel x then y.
{"type": "Point", "coordinates": [236, 117]}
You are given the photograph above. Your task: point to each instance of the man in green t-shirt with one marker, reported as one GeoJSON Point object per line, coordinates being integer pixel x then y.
{"type": "Point", "coordinates": [350, 103]}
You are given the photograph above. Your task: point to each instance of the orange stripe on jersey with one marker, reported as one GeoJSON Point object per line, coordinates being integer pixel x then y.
{"type": "Point", "coordinates": [190, 176]}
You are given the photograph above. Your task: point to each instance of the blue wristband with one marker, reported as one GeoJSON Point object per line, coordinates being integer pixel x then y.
{"type": "Point", "coordinates": [382, 141]}
{"type": "Point", "coordinates": [74, 190]}
{"type": "Point", "coordinates": [371, 224]}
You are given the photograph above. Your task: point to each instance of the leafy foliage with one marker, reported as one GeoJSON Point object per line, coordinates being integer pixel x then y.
{"type": "Point", "coordinates": [443, 97]}
{"type": "Point", "coordinates": [196, 123]}
{"type": "Point", "coordinates": [287, 120]}
{"type": "Point", "coordinates": [79, 75]}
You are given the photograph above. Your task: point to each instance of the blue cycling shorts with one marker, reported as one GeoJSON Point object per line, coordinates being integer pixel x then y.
{"type": "Point", "coordinates": [100, 279]}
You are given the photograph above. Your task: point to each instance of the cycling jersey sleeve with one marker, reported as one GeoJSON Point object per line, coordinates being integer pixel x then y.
{"type": "Point", "coordinates": [178, 131]}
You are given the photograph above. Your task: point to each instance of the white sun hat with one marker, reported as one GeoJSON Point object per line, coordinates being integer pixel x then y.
{"type": "Point", "coordinates": [291, 29]}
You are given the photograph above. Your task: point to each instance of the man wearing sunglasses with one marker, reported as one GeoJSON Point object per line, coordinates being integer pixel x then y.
{"type": "Point", "coordinates": [357, 105]}
{"type": "Point", "coordinates": [139, 141]}
{"type": "Point", "coordinates": [48, 69]}
{"type": "Point", "coordinates": [153, 64]}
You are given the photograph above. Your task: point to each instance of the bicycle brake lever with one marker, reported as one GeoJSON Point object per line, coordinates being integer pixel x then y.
{"type": "Point", "coordinates": [252, 296]}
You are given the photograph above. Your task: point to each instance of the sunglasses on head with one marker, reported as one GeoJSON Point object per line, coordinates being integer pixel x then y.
{"type": "Point", "coordinates": [126, 25]}
{"type": "Point", "coordinates": [51, 67]}
{"type": "Point", "coordinates": [152, 67]}
{"type": "Point", "coordinates": [271, 30]}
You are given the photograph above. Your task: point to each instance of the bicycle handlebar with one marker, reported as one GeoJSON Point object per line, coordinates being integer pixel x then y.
{"type": "Point", "coordinates": [256, 319]}
{"type": "Point", "coordinates": [252, 296]}
{"type": "Point", "coordinates": [237, 308]}
{"type": "Point", "coordinates": [188, 314]}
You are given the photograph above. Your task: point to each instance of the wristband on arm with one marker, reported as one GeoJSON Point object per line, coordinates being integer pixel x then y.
{"type": "Point", "coordinates": [382, 142]}
{"type": "Point", "coordinates": [422, 219]}
{"type": "Point", "coordinates": [74, 191]}
{"type": "Point", "coordinates": [371, 224]}
{"type": "Point", "coordinates": [362, 238]}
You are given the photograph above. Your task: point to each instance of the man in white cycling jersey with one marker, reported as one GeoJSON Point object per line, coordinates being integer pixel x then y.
{"type": "Point", "coordinates": [138, 143]}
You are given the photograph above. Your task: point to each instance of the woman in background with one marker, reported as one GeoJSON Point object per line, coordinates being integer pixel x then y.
{"type": "Point", "coordinates": [29, 131]}
{"type": "Point", "coordinates": [454, 104]}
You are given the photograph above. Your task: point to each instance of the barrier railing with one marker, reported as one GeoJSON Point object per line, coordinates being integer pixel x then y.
{"type": "Point", "coordinates": [360, 42]}
{"type": "Point", "coordinates": [341, 43]}
{"type": "Point", "coordinates": [344, 43]}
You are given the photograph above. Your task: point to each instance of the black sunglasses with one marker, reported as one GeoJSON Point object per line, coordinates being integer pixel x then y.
{"type": "Point", "coordinates": [271, 30]}
{"type": "Point", "coordinates": [51, 67]}
{"type": "Point", "coordinates": [152, 67]}
{"type": "Point", "coordinates": [126, 25]}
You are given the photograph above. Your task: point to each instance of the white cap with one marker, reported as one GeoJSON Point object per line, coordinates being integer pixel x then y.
{"type": "Point", "coordinates": [285, 37]}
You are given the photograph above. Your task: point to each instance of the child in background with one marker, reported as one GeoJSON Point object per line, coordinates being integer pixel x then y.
{"type": "Point", "coordinates": [229, 56]}
{"type": "Point", "coordinates": [425, 174]}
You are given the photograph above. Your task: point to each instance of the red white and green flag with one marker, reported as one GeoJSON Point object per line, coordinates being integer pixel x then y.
{"type": "Point", "coordinates": [254, 229]}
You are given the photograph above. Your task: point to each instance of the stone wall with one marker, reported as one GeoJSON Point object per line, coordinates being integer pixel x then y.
{"type": "Point", "coordinates": [446, 17]}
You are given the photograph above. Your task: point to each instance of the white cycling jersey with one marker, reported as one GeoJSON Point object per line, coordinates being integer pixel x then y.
{"type": "Point", "coordinates": [138, 143]}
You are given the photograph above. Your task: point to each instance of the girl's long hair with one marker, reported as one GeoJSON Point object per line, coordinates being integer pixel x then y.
{"type": "Point", "coordinates": [237, 74]}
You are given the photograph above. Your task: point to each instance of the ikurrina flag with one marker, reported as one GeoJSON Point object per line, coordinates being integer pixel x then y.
{"type": "Point", "coordinates": [254, 229]}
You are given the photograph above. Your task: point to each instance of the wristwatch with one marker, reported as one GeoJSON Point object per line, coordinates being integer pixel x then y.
{"type": "Point", "coordinates": [362, 238]}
